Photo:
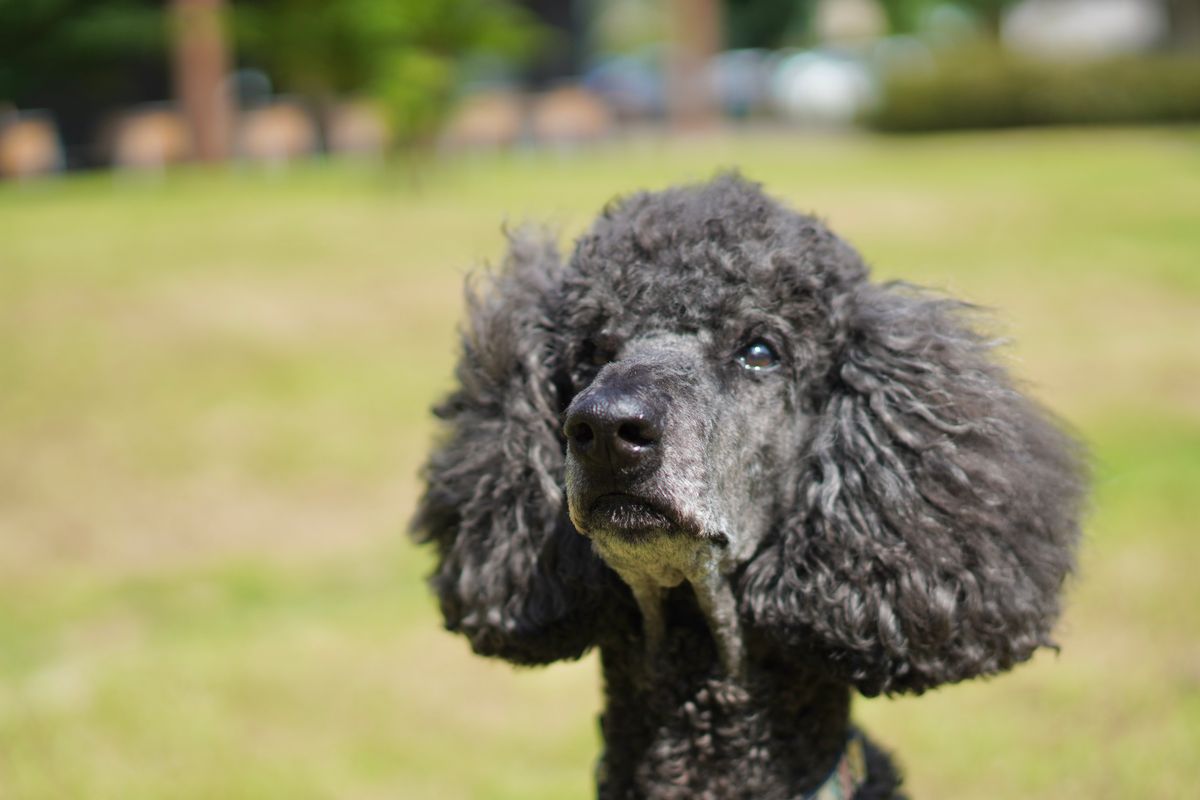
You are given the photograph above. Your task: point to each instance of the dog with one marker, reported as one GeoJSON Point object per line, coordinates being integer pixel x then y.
{"type": "Point", "coordinates": [708, 445]}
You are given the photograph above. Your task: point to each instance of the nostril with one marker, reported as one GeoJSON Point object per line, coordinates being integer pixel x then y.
{"type": "Point", "coordinates": [635, 434]}
{"type": "Point", "coordinates": [581, 434]}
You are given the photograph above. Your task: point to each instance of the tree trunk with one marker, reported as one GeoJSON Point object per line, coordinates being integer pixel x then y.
{"type": "Point", "coordinates": [696, 38]}
{"type": "Point", "coordinates": [992, 17]}
{"type": "Point", "coordinates": [201, 62]}
{"type": "Point", "coordinates": [1183, 16]}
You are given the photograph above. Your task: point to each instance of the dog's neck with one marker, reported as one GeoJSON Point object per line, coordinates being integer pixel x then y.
{"type": "Point", "coordinates": [654, 565]}
{"type": "Point", "coordinates": [682, 726]}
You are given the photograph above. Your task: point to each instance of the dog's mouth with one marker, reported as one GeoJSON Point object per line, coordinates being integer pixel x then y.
{"type": "Point", "coordinates": [621, 513]}
{"type": "Point", "coordinates": [636, 517]}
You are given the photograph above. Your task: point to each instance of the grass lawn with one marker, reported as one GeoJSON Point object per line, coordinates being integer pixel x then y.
{"type": "Point", "coordinates": [213, 402]}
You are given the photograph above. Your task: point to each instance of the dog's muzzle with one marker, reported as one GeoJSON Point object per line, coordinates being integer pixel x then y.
{"type": "Point", "coordinates": [615, 432]}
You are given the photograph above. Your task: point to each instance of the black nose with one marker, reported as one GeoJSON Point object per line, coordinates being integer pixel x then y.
{"type": "Point", "coordinates": [612, 428]}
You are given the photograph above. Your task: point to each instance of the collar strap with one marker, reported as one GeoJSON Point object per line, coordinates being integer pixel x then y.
{"type": "Point", "coordinates": [847, 776]}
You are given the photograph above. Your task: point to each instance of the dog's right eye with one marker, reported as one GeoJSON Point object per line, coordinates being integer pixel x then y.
{"type": "Point", "coordinates": [591, 355]}
{"type": "Point", "coordinates": [600, 350]}
{"type": "Point", "coordinates": [758, 356]}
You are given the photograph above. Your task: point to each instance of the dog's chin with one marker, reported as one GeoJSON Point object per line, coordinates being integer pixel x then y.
{"type": "Point", "coordinates": [649, 543]}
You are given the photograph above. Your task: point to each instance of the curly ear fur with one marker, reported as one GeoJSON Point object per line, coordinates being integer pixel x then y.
{"type": "Point", "coordinates": [938, 510]}
{"type": "Point", "coordinates": [512, 574]}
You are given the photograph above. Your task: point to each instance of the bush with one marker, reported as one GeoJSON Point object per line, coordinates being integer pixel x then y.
{"type": "Point", "coordinates": [405, 53]}
{"type": "Point", "coordinates": [993, 89]}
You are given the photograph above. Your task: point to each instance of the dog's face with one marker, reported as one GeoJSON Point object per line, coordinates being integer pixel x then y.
{"type": "Point", "coordinates": [679, 447]}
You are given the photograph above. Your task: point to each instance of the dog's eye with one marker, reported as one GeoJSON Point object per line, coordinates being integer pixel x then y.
{"type": "Point", "coordinates": [758, 355]}
{"type": "Point", "coordinates": [592, 355]}
{"type": "Point", "coordinates": [600, 350]}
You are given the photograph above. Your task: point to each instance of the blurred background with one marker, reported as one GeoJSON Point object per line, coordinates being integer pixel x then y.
{"type": "Point", "coordinates": [232, 242]}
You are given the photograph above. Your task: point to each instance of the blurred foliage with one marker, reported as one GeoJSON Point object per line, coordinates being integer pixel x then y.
{"type": "Point", "coordinates": [44, 42]}
{"type": "Point", "coordinates": [990, 88]}
{"type": "Point", "coordinates": [989, 12]}
{"type": "Point", "coordinates": [778, 23]}
{"type": "Point", "coordinates": [766, 23]}
{"type": "Point", "coordinates": [1183, 24]}
{"type": "Point", "coordinates": [404, 52]}
{"type": "Point", "coordinates": [904, 16]}
{"type": "Point", "coordinates": [910, 16]}
{"type": "Point", "coordinates": [626, 26]}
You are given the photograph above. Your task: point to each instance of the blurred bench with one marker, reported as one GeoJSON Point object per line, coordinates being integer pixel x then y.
{"type": "Point", "coordinates": [495, 119]}
{"type": "Point", "coordinates": [149, 139]}
{"type": "Point", "coordinates": [29, 145]}
{"type": "Point", "coordinates": [276, 133]}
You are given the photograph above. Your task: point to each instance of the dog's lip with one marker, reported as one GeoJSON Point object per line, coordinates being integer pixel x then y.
{"type": "Point", "coordinates": [625, 498]}
{"type": "Point", "coordinates": [656, 513]}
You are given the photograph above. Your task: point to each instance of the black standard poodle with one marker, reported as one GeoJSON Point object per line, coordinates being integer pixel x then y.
{"type": "Point", "coordinates": [710, 446]}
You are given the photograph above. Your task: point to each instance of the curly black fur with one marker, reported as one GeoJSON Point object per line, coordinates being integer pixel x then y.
{"type": "Point", "coordinates": [879, 511]}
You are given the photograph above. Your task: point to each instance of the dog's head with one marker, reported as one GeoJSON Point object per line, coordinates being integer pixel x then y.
{"type": "Point", "coordinates": [712, 370]}
{"type": "Point", "coordinates": [705, 322]}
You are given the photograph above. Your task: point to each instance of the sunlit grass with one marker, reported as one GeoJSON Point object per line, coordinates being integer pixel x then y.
{"type": "Point", "coordinates": [213, 402]}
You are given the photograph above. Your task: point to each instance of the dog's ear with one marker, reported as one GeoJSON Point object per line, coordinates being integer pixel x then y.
{"type": "Point", "coordinates": [937, 514]}
{"type": "Point", "coordinates": [512, 574]}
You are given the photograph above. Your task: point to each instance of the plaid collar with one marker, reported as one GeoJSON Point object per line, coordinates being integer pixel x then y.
{"type": "Point", "coordinates": [848, 776]}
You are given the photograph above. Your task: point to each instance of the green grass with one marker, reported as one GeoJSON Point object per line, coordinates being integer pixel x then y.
{"type": "Point", "coordinates": [213, 402]}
